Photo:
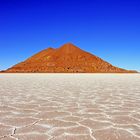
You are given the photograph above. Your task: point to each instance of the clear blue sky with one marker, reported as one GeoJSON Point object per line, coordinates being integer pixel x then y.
{"type": "Point", "coordinates": [109, 29]}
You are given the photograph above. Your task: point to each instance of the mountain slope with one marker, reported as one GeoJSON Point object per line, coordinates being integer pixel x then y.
{"type": "Point", "coordinates": [68, 59]}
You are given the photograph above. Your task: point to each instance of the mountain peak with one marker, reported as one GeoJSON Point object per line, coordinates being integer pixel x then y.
{"type": "Point", "coordinates": [49, 49]}
{"type": "Point", "coordinates": [68, 45]}
{"type": "Point", "coordinates": [69, 48]}
{"type": "Point", "coordinates": [68, 58]}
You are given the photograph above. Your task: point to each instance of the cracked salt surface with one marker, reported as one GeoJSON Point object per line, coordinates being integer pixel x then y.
{"type": "Point", "coordinates": [69, 107]}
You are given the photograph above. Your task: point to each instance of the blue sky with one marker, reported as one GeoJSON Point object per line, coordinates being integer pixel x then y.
{"type": "Point", "coordinates": [109, 29]}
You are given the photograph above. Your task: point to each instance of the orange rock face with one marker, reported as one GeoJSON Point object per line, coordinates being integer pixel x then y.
{"type": "Point", "coordinates": [66, 59]}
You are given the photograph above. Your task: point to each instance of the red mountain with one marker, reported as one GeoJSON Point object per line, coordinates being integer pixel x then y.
{"type": "Point", "coordinates": [68, 59]}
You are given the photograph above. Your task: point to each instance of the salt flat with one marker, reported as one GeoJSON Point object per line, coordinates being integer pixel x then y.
{"type": "Point", "coordinates": [69, 107]}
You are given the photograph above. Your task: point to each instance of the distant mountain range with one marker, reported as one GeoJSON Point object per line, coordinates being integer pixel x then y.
{"type": "Point", "coordinates": [66, 59]}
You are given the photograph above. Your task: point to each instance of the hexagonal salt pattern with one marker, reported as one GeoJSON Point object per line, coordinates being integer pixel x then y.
{"type": "Point", "coordinates": [69, 107]}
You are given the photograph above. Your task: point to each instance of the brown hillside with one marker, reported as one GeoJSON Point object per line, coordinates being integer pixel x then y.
{"type": "Point", "coordinates": [68, 59]}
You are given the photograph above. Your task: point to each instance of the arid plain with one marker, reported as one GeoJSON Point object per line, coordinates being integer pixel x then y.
{"type": "Point", "coordinates": [69, 107]}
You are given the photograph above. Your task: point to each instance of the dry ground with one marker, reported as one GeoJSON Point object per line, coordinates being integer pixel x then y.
{"type": "Point", "coordinates": [69, 107]}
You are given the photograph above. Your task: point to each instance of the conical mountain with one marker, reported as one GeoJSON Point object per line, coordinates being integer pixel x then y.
{"type": "Point", "coordinates": [68, 59]}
